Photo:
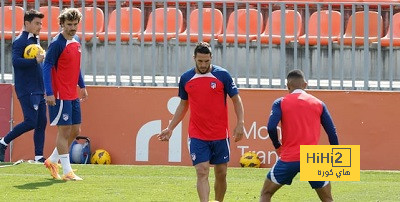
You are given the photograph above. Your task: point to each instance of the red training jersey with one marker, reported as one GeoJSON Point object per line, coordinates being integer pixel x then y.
{"type": "Point", "coordinates": [206, 94]}
{"type": "Point", "coordinates": [65, 56]}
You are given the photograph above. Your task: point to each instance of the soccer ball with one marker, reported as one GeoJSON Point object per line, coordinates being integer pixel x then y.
{"type": "Point", "coordinates": [250, 159]}
{"type": "Point", "coordinates": [32, 51]}
{"type": "Point", "coordinates": [101, 156]}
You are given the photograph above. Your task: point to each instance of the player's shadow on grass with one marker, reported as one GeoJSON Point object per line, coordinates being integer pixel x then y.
{"type": "Point", "coordinates": [36, 185]}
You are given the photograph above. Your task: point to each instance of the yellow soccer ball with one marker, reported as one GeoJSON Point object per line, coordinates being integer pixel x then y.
{"type": "Point", "coordinates": [31, 51]}
{"type": "Point", "coordinates": [100, 156]}
{"type": "Point", "coordinates": [250, 159]}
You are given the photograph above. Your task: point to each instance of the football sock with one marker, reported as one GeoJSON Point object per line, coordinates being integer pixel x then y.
{"type": "Point", "coordinates": [54, 157]}
{"type": "Point", "coordinates": [38, 157]}
{"type": "Point", "coordinates": [66, 165]}
{"type": "Point", "coordinates": [2, 142]}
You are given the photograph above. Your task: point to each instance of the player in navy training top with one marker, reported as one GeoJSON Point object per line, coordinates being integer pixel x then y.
{"type": "Point", "coordinates": [61, 75]}
{"type": "Point", "coordinates": [204, 89]}
{"type": "Point", "coordinates": [301, 116]}
{"type": "Point", "coordinates": [29, 86]}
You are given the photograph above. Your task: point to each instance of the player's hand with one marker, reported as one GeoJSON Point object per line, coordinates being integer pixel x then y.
{"type": "Point", "coordinates": [50, 100]}
{"type": "Point", "coordinates": [40, 57]}
{"type": "Point", "coordinates": [84, 94]}
{"type": "Point", "coordinates": [238, 132]}
{"type": "Point", "coordinates": [165, 134]}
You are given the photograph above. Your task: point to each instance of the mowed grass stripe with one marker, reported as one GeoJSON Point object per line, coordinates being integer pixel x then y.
{"type": "Point", "coordinates": [176, 183]}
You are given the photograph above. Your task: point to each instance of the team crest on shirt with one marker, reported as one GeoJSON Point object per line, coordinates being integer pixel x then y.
{"type": "Point", "coordinates": [193, 156]}
{"type": "Point", "coordinates": [65, 117]}
{"type": "Point", "coordinates": [213, 85]}
{"type": "Point", "coordinates": [35, 107]}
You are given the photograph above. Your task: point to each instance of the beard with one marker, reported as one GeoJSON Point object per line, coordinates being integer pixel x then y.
{"type": "Point", "coordinates": [205, 72]}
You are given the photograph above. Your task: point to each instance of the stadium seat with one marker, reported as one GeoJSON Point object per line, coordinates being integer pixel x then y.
{"type": "Point", "coordinates": [100, 1]}
{"type": "Point", "coordinates": [21, 1]}
{"type": "Point", "coordinates": [66, 2]}
{"type": "Point", "coordinates": [174, 18]}
{"type": "Point", "coordinates": [63, 1]}
{"type": "Point", "coordinates": [253, 3]}
{"type": "Point", "coordinates": [8, 24]}
{"type": "Point", "coordinates": [54, 27]}
{"type": "Point", "coordinates": [207, 25]}
{"type": "Point", "coordinates": [385, 41]}
{"type": "Point", "coordinates": [252, 16]}
{"type": "Point", "coordinates": [290, 33]}
{"type": "Point", "coordinates": [169, 3]}
{"type": "Point", "coordinates": [337, 3]}
{"type": "Point", "coordinates": [124, 26]}
{"type": "Point", "coordinates": [373, 19]}
{"type": "Point", "coordinates": [373, 4]}
{"type": "Point", "coordinates": [324, 25]}
{"type": "Point", "coordinates": [90, 30]}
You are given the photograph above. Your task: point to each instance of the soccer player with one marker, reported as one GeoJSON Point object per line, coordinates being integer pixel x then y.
{"type": "Point", "coordinates": [301, 116]}
{"type": "Point", "coordinates": [204, 89]}
{"type": "Point", "coordinates": [29, 86]}
{"type": "Point", "coordinates": [61, 75]}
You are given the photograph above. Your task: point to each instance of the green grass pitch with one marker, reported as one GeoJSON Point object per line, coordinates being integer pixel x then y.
{"type": "Point", "coordinates": [176, 183]}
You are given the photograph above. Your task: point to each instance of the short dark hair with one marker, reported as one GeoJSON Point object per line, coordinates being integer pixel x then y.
{"type": "Point", "coordinates": [70, 14]}
{"type": "Point", "coordinates": [202, 47]}
{"type": "Point", "coordinates": [295, 74]}
{"type": "Point", "coordinates": [32, 14]}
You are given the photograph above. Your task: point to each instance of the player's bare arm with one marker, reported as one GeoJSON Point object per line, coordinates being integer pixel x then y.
{"type": "Point", "coordinates": [179, 114]}
{"type": "Point", "coordinates": [238, 106]}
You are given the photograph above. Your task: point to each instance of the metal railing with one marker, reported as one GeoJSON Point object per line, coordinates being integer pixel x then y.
{"type": "Point", "coordinates": [252, 61]}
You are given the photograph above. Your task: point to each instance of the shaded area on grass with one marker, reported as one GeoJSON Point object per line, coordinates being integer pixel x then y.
{"type": "Point", "coordinates": [37, 185]}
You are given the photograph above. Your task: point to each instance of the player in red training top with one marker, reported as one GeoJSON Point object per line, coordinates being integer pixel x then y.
{"type": "Point", "coordinates": [61, 75]}
{"type": "Point", "coordinates": [204, 89]}
{"type": "Point", "coordinates": [301, 116]}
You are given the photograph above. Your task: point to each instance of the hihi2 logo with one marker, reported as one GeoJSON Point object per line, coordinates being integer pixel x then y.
{"type": "Point", "coordinates": [330, 162]}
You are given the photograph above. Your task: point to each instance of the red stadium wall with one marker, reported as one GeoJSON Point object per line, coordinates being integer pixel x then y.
{"type": "Point", "coordinates": [5, 111]}
{"type": "Point", "coordinates": [122, 120]}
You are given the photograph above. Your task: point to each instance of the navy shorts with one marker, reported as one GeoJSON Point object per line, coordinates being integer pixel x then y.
{"type": "Point", "coordinates": [65, 112]}
{"type": "Point", "coordinates": [216, 152]}
{"type": "Point", "coordinates": [284, 172]}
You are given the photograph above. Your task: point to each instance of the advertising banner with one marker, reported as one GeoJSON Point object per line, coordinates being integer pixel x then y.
{"type": "Point", "coordinates": [125, 120]}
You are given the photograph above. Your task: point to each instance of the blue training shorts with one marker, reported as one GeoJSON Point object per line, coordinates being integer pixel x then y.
{"type": "Point", "coordinates": [284, 172]}
{"type": "Point", "coordinates": [216, 152]}
{"type": "Point", "coordinates": [65, 112]}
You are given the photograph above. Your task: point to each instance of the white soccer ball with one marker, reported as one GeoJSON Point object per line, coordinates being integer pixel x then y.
{"type": "Point", "coordinates": [76, 153]}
